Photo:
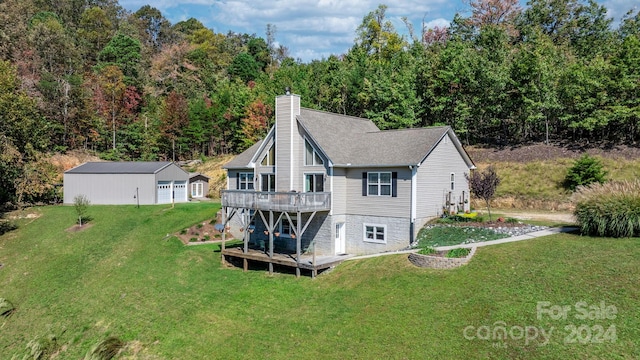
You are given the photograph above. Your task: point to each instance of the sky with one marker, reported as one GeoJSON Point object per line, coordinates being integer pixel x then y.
{"type": "Point", "coordinates": [315, 29]}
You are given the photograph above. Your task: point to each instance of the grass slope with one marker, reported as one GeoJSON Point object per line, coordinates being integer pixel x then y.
{"type": "Point", "coordinates": [122, 278]}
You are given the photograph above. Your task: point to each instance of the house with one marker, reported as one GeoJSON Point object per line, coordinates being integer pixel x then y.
{"type": "Point", "coordinates": [330, 184]}
{"type": "Point", "coordinates": [116, 183]}
{"type": "Point", "coordinates": [198, 185]}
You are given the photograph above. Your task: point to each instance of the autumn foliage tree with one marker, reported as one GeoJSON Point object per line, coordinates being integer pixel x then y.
{"type": "Point", "coordinates": [174, 119]}
{"type": "Point", "coordinates": [483, 184]}
{"type": "Point", "coordinates": [256, 123]}
{"type": "Point", "coordinates": [115, 101]}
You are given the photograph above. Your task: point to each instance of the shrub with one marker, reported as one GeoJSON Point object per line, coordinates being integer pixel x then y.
{"type": "Point", "coordinates": [458, 253]}
{"type": "Point", "coordinates": [193, 239]}
{"type": "Point", "coordinates": [206, 238]}
{"type": "Point", "coordinates": [6, 226]}
{"type": "Point", "coordinates": [586, 170]}
{"type": "Point", "coordinates": [610, 209]}
{"type": "Point", "coordinates": [183, 232]}
{"type": "Point", "coordinates": [427, 251]}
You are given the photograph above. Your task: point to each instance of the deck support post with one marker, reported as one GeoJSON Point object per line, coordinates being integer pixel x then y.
{"type": "Point", "coordinates": [223, 220]}
{"type": "Point", "coordinates": [271, 228]}
{"type": "Point", "coordinates": [313, 261]}
{"type": "Point", "coordinates": [298, 243]}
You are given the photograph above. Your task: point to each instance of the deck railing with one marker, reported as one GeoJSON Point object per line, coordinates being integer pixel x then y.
{"type": "Point", "coordinates": [277, 201]}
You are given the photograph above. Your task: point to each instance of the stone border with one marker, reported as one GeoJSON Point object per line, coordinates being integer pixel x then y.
{"type": "Point", "coordinates": [439, 262]}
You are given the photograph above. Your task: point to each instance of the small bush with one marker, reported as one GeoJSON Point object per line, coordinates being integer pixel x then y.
{"type": "Point", "coordinates": [193, 239]}
{"type": "Point", "coordinates": [183, 232]}
{"type": "Point", "coordinates": [6, 226]}
{"type": "Point", "coordinates": [458, 253]}
{"type": "Point", "coordinates": [427, 251]}
{"type": "Point", "coordinates": [586, 170]}
{"type": "Point", "coordinates": [449, 219]}
{"type": "Point", "coordinates": [511, 220]}
{"type": "Point", "coordinates": [611, 209]}
{"type": "Point", "coordinates": [199, 226]}
{"type": "Point", "coordinates": [206, 238]}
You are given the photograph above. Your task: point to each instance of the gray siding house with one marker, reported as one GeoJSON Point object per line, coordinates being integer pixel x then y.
{"type": "Point", "coordinates": [119, 183]}
{"type": "Point", "coordinates": [337, 184]}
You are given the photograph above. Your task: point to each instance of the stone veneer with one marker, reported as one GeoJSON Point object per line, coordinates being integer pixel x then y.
{"type": "Point", "coordinates": [439, 262]}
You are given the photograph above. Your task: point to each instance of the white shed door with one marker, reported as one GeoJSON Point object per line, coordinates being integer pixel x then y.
{"type": "Point", "coordinates": [180, 191]}
{"type": "Point", "coordinates": [164, 192]}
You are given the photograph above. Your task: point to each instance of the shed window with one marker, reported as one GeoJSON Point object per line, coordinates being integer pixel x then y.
{"type": "Point", "coordinates": [453, 181]}
{"type": "Point", "coordinates": [197, 189]}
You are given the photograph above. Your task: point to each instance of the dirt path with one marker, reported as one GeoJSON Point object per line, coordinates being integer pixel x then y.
{"type": "Point", "coordinates": [558, 216]}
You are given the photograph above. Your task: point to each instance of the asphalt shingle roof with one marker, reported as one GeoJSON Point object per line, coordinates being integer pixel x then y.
{"type": "Point", "coordinates": [244, 158]}
{"type": "Point", "coordinates": [353, 141]}
{"type": "Point", "coordinates": [122, 167]}
{"type": "Point", "coordinates": [358, 142]}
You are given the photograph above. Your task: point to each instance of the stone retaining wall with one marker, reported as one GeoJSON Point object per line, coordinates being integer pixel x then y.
{"type": "Point", "coordinates": [439, 262]}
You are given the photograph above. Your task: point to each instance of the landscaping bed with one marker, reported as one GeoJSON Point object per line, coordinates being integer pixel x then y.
{"type": "Point", "coordinates": [469, 232]}
{"type": "Point", "coordinates": [199, 233]}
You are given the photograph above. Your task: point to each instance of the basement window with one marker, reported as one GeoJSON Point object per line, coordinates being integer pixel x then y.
{"type": "Point", "coordinates": [375, 233]}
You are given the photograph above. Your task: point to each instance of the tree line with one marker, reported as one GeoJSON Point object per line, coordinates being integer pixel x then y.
{"type": "Point", "coordinates": [87, 74]}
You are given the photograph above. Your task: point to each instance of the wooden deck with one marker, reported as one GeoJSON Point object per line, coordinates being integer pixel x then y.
{"type": "Point", "coordinates": [289, 260]}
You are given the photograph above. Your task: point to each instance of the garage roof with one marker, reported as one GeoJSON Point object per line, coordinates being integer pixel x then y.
{"type": "Point", "coordinates": [122, 167]}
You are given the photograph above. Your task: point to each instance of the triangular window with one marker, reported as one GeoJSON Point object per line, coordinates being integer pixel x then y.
{"type": "Point", "coordinates": [311, 156]}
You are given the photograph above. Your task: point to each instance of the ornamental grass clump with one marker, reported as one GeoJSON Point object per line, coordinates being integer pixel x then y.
{"type": "Point", "coordinates": [610, 209]}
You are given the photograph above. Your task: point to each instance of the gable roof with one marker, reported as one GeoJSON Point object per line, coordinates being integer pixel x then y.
{"type": "Point", "coordinates": [357, 142]}
{"type": "Point", "coordinates": [120, 167]}
{"type": "Point", "coordinates": [197, 174]}
{"type": "Point", "coordinates": [245, 158]}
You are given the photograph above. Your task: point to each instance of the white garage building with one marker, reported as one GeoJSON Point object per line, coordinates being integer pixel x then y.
{"type": "Point", "coordinates": [118, 183]}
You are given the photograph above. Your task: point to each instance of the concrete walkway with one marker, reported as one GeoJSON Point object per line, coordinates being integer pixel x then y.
{"type": "Point", "coordinates": [528, 236]}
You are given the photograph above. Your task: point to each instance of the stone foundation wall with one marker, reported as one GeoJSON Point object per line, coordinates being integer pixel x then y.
{"type": "Point", "coordinates": [439, 262]}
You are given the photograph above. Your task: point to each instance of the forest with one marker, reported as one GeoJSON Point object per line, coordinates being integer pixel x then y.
{"type": "Point", "coordinates": [88, 75]}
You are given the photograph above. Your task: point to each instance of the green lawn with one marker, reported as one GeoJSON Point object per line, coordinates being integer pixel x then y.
{"type": "Point", "coordinates": [123, 278]}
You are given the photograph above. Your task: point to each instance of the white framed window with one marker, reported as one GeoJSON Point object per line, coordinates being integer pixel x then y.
{"type": "Point", "coordinates": [197, 189]}
{"type": "Point", "coordinates": [245, 181]}
{"type": "Point", "coordinates": [270, 158]}
{"type": "Point", "coordinates": [375, 233]}
{"type": "Point", "coordinates": [313, 182]}
{"type": "Point", "coordinates": [311, 156]}
{"type": "Point", "coordinates": [285, 227]}
{"type": "Point", "coordinates": [379, 184]}
{"type": "Point", "coordinates": [268, 182]}
{"type": "Point", "coordinates": [453, 181]}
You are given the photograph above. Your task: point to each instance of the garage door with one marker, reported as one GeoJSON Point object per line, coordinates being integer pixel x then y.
{"type": "Point", "coordinates": [180, 189]}
{"type": "Point", "coordinates": [164, 192]}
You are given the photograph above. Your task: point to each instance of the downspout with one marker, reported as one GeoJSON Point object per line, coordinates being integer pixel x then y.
{"type": "Point", "coordinates": [331, 187]}
{"type": "Point", "coordinates": [414, 199]}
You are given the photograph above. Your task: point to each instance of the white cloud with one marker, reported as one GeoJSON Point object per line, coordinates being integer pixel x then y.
{"type": "Point", "coordinates": [437, 22]}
